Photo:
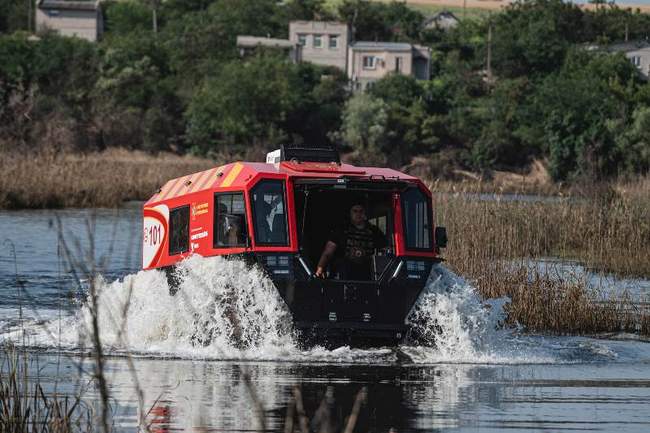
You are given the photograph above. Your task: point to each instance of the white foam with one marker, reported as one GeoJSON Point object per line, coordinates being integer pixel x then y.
{"type": "Point", "coordinates": [459, 327]}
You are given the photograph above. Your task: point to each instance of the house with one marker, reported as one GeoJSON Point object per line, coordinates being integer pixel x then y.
{"type": "Point", "coordinates": [328, 43]}
{"type": "Point", "coordinates": [637, 52]}
{"type": "Point", "coordinates": [444, 20]}
{"type": "Point", "coordinates": [323, 42]}
{"type": "Point", "coordinates": [247, 44]}
{"type": "Point", "coordinates": [371, 61]}
{"type": "Point", "coordinates": [70, 18]}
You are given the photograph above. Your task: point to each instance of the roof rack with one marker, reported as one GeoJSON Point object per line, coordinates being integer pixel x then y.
{"type": "Point", "coordinates": [303, 154]}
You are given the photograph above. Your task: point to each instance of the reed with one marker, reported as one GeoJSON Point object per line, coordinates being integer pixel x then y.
{"type": "Point", "coordinates": [494, 242]}
{"type": "Point", "coordinates": [26, 407]}
{"type": "Point", "coordinates": [101, 179]}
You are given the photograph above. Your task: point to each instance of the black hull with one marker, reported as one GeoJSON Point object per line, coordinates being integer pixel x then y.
{"type": "Point", "coordinates": [332, 312]}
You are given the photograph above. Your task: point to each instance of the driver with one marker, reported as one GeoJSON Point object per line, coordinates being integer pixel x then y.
{"type": "Point", "coordinates": [356, 242]}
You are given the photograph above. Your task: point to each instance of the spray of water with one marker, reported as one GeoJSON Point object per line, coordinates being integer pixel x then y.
{"type": "Point", "coordinates": [453, 324]}
{"type": "Point", "coordinates": [225, 309]}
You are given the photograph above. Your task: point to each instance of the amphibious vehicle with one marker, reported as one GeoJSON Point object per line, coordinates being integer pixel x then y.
{"type": "Point", "coordinates": [279, 214]}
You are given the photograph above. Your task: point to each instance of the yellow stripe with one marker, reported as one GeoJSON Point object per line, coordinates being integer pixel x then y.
{"type": "Point", "coordinates": [167, 188]}
{"type": "Point", "coordinates": [232, 175]}
{"type": "Point", "coordinates": [206, 180]}
{"type": "Point", "coordinates": [195, 182]}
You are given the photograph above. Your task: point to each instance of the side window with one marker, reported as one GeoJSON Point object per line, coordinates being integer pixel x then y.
{"type": "Point", "coordinates": [269, 210]}
{"type": "Point", "coordinates": [416, 211]}
{"type": "Point", "coordinates": [179, 230]}
{"type": "Point", "coordinates": [230, 221]}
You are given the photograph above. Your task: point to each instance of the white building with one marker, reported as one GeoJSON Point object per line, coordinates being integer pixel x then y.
{"type": "Point", "coordinates": [371, 61]}
{"type": "Point", "coordinates": [323, 42]}
{"type": "Point", "coordinates": [70, 18]}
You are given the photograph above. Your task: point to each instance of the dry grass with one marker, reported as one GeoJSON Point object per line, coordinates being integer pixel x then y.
{"type": "Point", "coordinates": [493, 242]}
{"type": "Point", "coordinates": [103, 179]}
{"type": "Point", "coordinates": [26, 407]}
{"type": "Point", "coordinates": [608, 231]}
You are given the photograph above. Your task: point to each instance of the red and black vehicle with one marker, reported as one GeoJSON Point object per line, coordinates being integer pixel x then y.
{"type": "Point", "coordinates": [280, 213]}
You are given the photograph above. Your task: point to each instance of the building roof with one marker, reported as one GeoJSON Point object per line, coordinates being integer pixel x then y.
{"type": "Point", "coordinates": [254, 41]}
{"type": "Point", "coordinates": [91, 5]}
{"type": "Point", "coordinates": [381, 46]}
{"type": "Point", "coordinates": [628, 46]}
{"type": "Point", "coordinates": [319, 23]}
{"type": "Point", "coordinates": [447, 15]}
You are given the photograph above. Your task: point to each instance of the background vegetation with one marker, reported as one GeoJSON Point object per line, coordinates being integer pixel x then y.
{"type": "Point", "coordinates": [185, 88]}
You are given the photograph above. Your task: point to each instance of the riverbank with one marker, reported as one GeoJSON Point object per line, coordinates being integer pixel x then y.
{"type": "Point", "coordinates": [499, 245]}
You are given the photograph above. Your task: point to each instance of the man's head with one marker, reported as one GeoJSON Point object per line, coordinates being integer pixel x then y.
{"type": "Point", "coordinates": [357, 214]}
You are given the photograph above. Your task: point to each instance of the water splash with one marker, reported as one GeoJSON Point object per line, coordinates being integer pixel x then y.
{"type": "Point", "coordinates": [227, 310]}
{"type": "Point", "coordinates": [453, 323]}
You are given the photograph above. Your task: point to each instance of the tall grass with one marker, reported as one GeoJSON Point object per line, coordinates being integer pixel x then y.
{"type": "Point", "coordinates": [493, 243]}
{"type": "Point", "coordinates": [26, 407]}
{"type": "Point", "coordinates": [105, 179]}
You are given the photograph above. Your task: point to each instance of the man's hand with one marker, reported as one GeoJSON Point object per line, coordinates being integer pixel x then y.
{"type": "Point", "coordinates": [328, 252]}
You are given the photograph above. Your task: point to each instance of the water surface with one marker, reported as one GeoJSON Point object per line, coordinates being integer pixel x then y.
{"type": "Point", "coordinates": [479, 378]}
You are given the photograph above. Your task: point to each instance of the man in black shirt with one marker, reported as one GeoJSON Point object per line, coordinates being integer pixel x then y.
{"type": "Point", "coordinates": [356, 242]}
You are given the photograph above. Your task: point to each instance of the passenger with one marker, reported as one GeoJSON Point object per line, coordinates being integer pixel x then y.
{"type": "Point", "coordinates": [229, 227]}
{"type": "Point", "coordinates": [356, 242]}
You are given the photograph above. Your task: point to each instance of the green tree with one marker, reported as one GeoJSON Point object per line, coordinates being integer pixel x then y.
{"type": "Point", "coordinates": [634, 145]}
{"type": "Point", "coordinates": [581, 111]}
{"type": "Point", "coordinates": [531, 37]}
{"type": "Point", "coordinates": [122, 17]}
{"type": "Point", "coordinates": [413, 123]}
{"type": "Point", "coordinates": [375, 21]}
{"type": "Point", "coordinates": [15, 15]}
{"type": "Point", "coordinates": [364, 126]}
{"type": "Point", "coordinates": [246, 104]}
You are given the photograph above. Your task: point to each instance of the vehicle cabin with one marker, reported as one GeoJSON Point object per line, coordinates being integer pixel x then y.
{"type": "Point", "coordinates": [281, 214]}
{"type": "Point", "coordinates": [283, 207]}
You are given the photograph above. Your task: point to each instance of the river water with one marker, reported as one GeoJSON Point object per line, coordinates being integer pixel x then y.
{"type": "Point", "coordinates": [192, 376]}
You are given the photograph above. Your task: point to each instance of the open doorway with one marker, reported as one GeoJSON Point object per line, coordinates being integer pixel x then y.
{"type": "Point", "coordinates": [323, 210]}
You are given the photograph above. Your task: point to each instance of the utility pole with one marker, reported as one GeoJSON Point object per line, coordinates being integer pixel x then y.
{"type": "Point", "coordinates": [464, 9]}
{"type": "Point", "coordinates": [154, 14]}
{"type": "Point", "coordinates": [488, 61]}
{"type": "Point", "coordinates": [627, 31]}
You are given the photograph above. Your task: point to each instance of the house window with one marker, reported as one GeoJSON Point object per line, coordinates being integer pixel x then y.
{"type": "Point", "coordinates": [179, 230]}
{"type": "Point", "coordinates": [334, 41]}
{"type": "Point", "coordinates": [369, 62]}
{"type": "Point", "coordinates": [269, 211]}
{"type": "Point", "coordinates": [230, 221]}
{"type": "Point", "coordinates": [318, 41]}
{"type": "Point", "coordinates": [399, 64]}
{"type": "Point", "coordinates": [636, 61]}
{"type": "Point", "coordinates": [302, 40]}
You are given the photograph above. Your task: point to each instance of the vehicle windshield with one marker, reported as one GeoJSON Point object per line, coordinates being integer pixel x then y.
{"type": "Point", "coordinates": [324, 214]}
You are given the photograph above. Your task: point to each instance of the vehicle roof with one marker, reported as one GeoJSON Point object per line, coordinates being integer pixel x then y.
{"type": "Point", "coordinates": [240, 174]}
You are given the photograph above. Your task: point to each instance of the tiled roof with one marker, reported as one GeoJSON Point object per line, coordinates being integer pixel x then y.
{"type": "Point", "coordinates": [254, 41]}
{"type": "Point", "coordinates": [70, 5]}
{"type": "Point", "coordinates": [383, 46]}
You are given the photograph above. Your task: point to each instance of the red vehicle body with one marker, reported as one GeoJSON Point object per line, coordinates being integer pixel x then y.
{"type": "Point", "coordinates": [307, 196]}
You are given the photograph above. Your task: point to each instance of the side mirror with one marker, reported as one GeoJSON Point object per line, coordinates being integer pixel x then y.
{"type": "Point", "coordinates": [441, 237]}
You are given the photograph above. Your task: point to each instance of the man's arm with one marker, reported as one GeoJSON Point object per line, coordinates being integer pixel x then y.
{"type": "Point", "coordinates": [328, 252]}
